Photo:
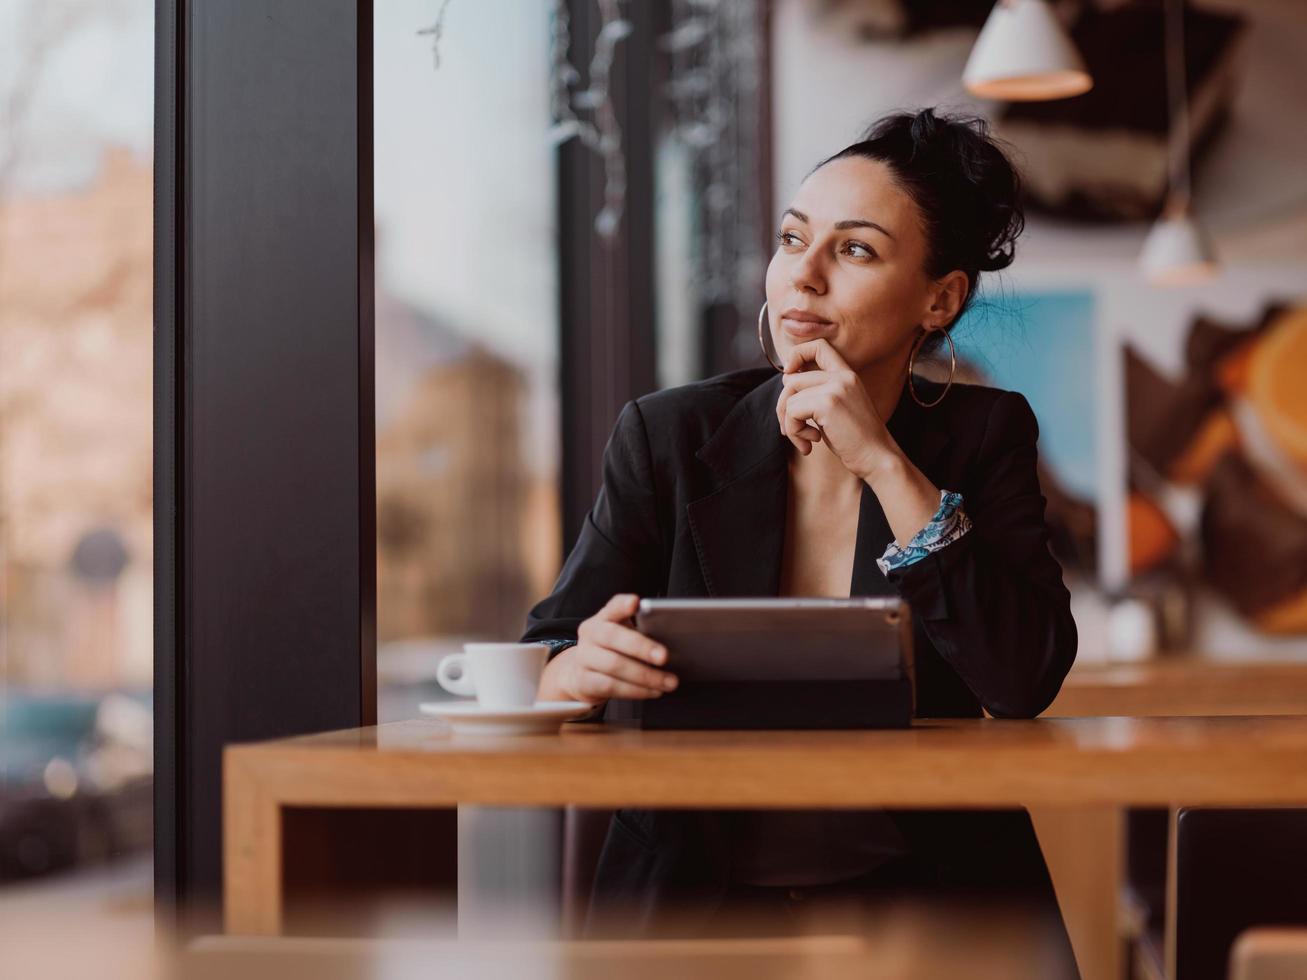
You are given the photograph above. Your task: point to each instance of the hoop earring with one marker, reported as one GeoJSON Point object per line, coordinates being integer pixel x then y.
{"type": "Point", "coordinates": [766, 353]}
{"type": "Point", "coordinates": [952, 369]}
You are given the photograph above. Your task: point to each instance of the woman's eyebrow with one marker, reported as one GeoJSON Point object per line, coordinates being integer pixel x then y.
{"type": "Point", "coordinates": [841, 225]}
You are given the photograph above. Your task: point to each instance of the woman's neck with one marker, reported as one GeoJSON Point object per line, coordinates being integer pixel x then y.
{"type": "Point", "coordinates": [884, 383]}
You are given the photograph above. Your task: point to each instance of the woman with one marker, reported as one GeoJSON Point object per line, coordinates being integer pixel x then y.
{"type": "Point", "coordinates": [842, 475]}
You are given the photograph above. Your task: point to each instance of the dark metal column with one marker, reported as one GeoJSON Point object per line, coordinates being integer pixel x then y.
{"type": "Point", "coordinates": [264, 442]}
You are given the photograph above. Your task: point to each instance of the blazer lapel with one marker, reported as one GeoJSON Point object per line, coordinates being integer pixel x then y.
{"type": "Point", "coordinates": [739, 526]}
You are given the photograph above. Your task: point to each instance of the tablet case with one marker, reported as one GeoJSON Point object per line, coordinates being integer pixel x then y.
{"type": "Point", "coordinates": [778, 664]}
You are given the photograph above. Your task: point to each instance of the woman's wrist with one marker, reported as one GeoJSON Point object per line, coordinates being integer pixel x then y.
{"type": "Point", "coordinates": [553, 679]}
{"type": "Point", "coordinates": [885, 466]}
{"type": "Point", "coordinates": [549, 689]}
{"type": "Point", "coordinates": [906, 495]}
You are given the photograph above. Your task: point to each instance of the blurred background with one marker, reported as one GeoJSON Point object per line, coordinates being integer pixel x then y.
{"type": "Point", "coordinates": [76, 589]}
{"type": "Point", "coordinates": [1173, 418]}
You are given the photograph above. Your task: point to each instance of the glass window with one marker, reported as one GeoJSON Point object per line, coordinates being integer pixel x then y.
{"type": "Point", "coordinates": [467, 333]}
{"type": "Point", "coordinates": [76, 531]}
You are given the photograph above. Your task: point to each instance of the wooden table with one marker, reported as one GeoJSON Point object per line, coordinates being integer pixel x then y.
{"type": "Point", "coordinates": [985, 946]}
{"type": "Point", "coordinates": [1084, 762]}
{"type": "Point", "coordinates": [903, 944]}
{"type": "Point", "coordinates": [1085, 847]}
{"type": "Point", "coordinates": [1185, 685]}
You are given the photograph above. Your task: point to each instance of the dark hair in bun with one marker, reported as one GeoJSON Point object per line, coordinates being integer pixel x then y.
{"type": "Point", "coordinates": [964, 185]}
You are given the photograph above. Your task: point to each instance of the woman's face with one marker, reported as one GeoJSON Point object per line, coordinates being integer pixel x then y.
{"type": "Point", "coordinates": [850, 256]}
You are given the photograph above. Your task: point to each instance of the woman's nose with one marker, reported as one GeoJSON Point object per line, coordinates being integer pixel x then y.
{"type": "Point", "coordinates": [807, 275]}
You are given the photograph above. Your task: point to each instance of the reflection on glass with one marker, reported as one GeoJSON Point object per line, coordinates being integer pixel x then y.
{"type": "Point", "coordinates": [466, 327]}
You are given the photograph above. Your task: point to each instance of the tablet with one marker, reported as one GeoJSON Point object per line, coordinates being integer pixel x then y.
{"type": "Point", "coordinates": [781, 639]}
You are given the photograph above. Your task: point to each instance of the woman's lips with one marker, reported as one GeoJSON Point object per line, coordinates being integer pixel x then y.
{"type": "Point", "coordinates": [805, 329]}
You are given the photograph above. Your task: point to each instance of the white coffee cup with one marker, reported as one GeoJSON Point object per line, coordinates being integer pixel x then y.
{"type": "Point", "coordinates": [498, 675]}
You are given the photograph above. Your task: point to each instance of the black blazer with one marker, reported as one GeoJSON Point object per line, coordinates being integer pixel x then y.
{"type": "Point", "coordinates": [693, 503]}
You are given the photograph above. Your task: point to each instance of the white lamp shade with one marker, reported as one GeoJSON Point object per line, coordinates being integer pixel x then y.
{"type": "Point", "coordinates": [1177, 252]}
{"type": "Point", "coordinates": [1023, 55]}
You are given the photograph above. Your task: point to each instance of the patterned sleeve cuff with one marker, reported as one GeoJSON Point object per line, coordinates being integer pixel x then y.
{"type": "Point", "coordinates": [948, 524]}
{"type": "Point", "coordinates": [556, 646]}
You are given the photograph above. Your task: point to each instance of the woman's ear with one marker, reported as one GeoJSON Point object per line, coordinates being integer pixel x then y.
{"type": "Point", "coordinates": [946, 298]}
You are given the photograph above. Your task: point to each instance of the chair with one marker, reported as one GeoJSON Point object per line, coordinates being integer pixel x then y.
{"type": "Point", "coordinates": [1234, 869]}
{"type": "Point", "coordinates": [1269, 954]}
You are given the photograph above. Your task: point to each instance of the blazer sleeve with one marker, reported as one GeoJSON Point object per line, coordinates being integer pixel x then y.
{"type": "Point", "coordinates": [620, 546]}
{"type": "Point", "coordinates": [993, 602]}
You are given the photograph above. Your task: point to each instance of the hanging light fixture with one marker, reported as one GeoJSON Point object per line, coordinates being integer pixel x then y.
{"type": "Point", "coordinates": [1177, 252]}
{"type": "Point", "coordinates": [1024, 55]}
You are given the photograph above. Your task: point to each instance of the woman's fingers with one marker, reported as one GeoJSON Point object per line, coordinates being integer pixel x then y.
{"type": "Point", "coordinates": [619, 609]}
{"type": "Point", "coordinates": [803, 428]}
{"type": "Point", "coordinates": [621, 666]}
{"type": "Point", "coordinates": [595, 686]}
{"type": "Point", "coordinates": [613, 660]}
{"type": "Point", "coordinates": [802, 407]}
{"type": "Point", "coordinates": [799, 380]}
{"type": "Point", "coordinates": [819, 352]}
{"type": "Point", "coordinates": [799, 432]}
{"type": "Point", "coordinates": [621, 606]}
{"type": "Point", "coordinates": [623, 652]}
{"type": "Point", "coordinates": [803, 433]}
{"type": "Point", "coordinates": [632, 642]}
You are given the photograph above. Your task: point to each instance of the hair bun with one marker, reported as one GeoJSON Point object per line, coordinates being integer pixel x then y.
{"type": "Point", "coordinates": [925, 128]}
{"type": "Point", "coordinates": [987, 185]}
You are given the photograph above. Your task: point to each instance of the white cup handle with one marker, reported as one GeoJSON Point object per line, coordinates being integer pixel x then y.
{"type": "Point", "coordinates": [461, 682]}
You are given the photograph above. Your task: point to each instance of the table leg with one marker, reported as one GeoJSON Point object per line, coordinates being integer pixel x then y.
{"type": "Point", "coordinates": [252, 862]}
{"type": "Point", "coordinates": [509, 872]}
{"type": "Point", "coordinates": [1084, 849]}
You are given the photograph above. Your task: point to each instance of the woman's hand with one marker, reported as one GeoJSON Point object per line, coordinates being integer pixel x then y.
{"type": "Point", "coordinates": [610, 660]}
{"type": "Point", "coordinates": [831, 395]}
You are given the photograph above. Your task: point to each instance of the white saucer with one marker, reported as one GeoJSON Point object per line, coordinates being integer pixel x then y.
{"type": "Point", "coordinates": [468, 717]}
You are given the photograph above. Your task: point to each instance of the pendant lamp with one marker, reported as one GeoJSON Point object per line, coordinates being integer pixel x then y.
{"type": "Point", "coordinates": [1024, 55]}
{"type": "Point", "coordinates": [1177, 252]}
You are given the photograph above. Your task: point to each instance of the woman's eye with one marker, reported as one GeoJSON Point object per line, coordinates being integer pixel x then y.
{"type": "Point", "coordinates": [866, 251]}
